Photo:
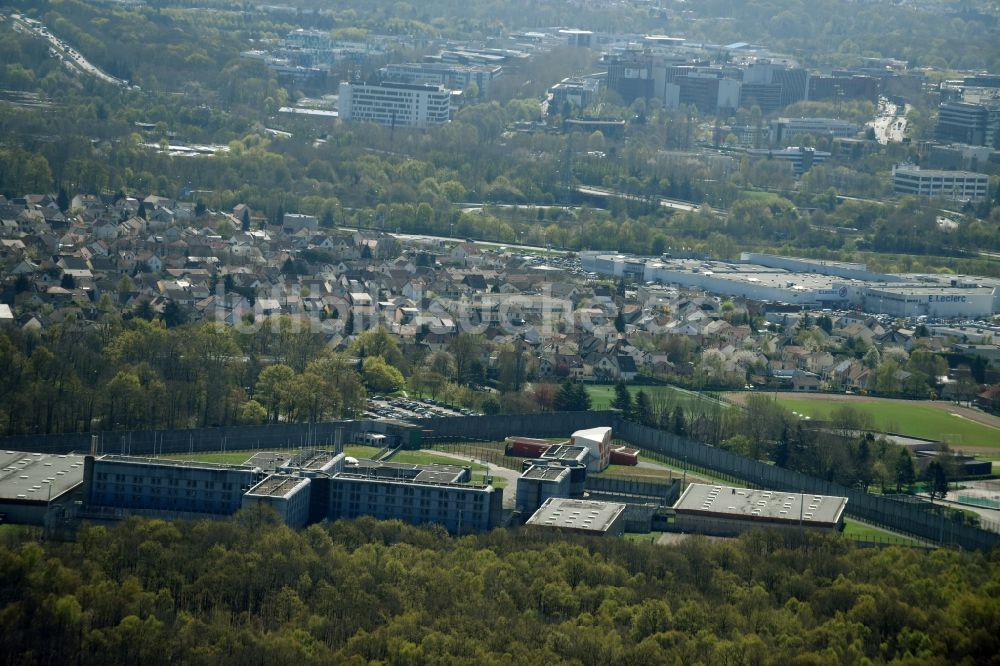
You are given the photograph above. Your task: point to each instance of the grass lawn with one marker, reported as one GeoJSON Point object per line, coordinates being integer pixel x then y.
{"type": "Point", "coordinates": [857, 530]}
{"type": "Point", "coordinates": [360, 451]}
{"type": "Point", "coordinates": [645, 537]}
{"type": "Point", "coordinates": [633, 472]}
{"type": "Point", "coordinates": [601, 396]}
{"type": "Point", "coordinates": [425, 458]}
{"type": "Point", "coordinates": [227, 457]}
{"type": "Point", "coordinates": [240, 457]}
{"type": "Point", "coordinates": [914, 419]}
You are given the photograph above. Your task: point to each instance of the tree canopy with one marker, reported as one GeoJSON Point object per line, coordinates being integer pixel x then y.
{"type": "Point", "coordinates": [250, 590]}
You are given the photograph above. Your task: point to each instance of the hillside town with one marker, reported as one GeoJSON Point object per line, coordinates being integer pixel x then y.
{"type": "Point", "coordinates": [157, 258]}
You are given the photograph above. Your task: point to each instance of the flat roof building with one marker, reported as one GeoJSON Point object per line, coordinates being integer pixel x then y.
{"type": "Point", "coordinates": [811, 283]}
{"type": "Point", "coordinates": [580, 516]}
{"type": "Point", "coordinates": [288, 495]}
{"type": "Point", "coordinates": [448, 75]}
{"type": "Point", "coordinates": [579, 91]}
{"type": "Point", "coordinates": [630, 74]}
{"type": "Point", "coordinates": [727, 510]}
{"type": "Point", "coordinates": [538, 483]}
{"type": "Point", "coordinates": [954, 185]}
{"type": "Point", "coordinates": [395, 104]}
{"type": "Point", "coordinates": [461, 509]}
{"type": "Point", "coordinates": [408, 471]}
{"type": "Point", "coordinates": [168, 487]}
{"type": "Point", "coordinates": [801, 158]}
{"type": "Point", "coordinates": [566, 453]}
{"type": "Point", "coordinates": [578, 38]}
{"type": "Point", "coordinates": [931, 301]}
{"type": "Point", "coordinates": [784, 129]}
{"type": "Point", "coordinates": [971, 123]}
{"type": "Point", "coordinates": [32, 482]}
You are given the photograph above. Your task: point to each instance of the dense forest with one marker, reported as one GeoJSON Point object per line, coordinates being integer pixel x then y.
{"type": "Point", "coordinates": [252, 591]}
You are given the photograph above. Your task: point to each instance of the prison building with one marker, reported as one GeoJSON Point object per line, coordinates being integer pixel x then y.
{"type": "Point", "coordinates": [726, 510]}
{"type": "Point", "coordinates": [169, 486]}
{"type": "Point", "coordinates": [461, 509]}
{"type": "Point", "coordinates": [539, 483]}
{"type": "Point", "coordinates": [288, 495]}
{"type": "Point", "coordinates": [32, 484]}
{"type": "Point", "coordinates": [580, 517]}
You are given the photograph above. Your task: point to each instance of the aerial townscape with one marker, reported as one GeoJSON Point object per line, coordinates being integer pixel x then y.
{"type": "Point", "coordinates": [584, 332]}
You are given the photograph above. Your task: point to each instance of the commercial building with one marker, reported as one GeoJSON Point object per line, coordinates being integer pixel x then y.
{"type": "Point", "coordinates": [954, 185]}
{"type": "Point", "coordinates": [751, 281]}
{"type": "Point", "coordinates": [726, 510]}
{"type": "Point", "coordinates": [815, 283]}
{"type": "Point", "coordinates": [773, 85]}
{"type": "Point", "coordinates": [931, 301]}
{"type": "Point", "coordinates": [446, 75]}
{"type": "Point", "coordinates": [784, 130]}
{"type": "Point", "coordinates": [579, 91]}
{"type": "Point", "coordinates": [842, 269]}
{"type": "Point", "coordinates": [580, 517]}
{"type": "Point", "coordinates": [579, 38]}
{"type": "Point", "coordinates": [395, 104]}
{"type": "Point", "coordinates": [848, 86]}
{"type": "Point", "coordinates": [800, 158]}
{"type": "Point", "coordinates": [33, 484]}
{"type": "Point", "coordinates": [971, 123]}
{"type": "Point", "coordinates": [708, 91]}
{"type": "Point", "coordinates": [630, 74]}
{"type": "Point", "coordinates": [767, 96]}
{"type": "Point", "coordinates": [958, 156]}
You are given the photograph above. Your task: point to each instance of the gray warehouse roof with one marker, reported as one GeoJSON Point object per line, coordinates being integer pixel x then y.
{"type": "Point", "coordinates": [278, 485]}
{"type": "Point", "coordinates": [763, 505]}
{"type": "Point", "coordinates": [37, 477]}
{"type": "Point", "coordinates": [545, 473]}
{"type": "Point", "coordinates": [584, 515]}
{"type": "Point", "coordinates": [169, 462]}
{"type": "Point", "coordinates": [268, 460]}
{"type": "Point", "coordinates": [566, 452]}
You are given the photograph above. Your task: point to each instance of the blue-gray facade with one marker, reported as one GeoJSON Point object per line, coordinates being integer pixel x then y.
{"type": "Point", "coordinates": [459, 508]}
{"type": "Point", "coordinates": [167, 485]}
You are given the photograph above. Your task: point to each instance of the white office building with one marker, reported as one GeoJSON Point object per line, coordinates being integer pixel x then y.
{"type": "Point", "coordinates": [955, 185]}
{"type": "Point", "coordinates": [395, 104]}
{"type": "Point", "coordinates": [784, 129]}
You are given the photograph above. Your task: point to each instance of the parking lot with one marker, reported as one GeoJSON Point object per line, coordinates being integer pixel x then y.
{"type": "Point", "coordinates": [380, 407]}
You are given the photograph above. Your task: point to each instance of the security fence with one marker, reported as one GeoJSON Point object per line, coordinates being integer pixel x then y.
{"type": "Point", "coordinates": [898, 516]}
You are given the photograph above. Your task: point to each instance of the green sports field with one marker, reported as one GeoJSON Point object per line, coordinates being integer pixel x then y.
{"type": "Point", "coordinates": [915, 419]}
{"type": "Point", "coordinates": [601, 396]}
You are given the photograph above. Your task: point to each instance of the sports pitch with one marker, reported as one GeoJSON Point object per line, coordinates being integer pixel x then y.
{"type": "Point", "coordinates": [929, 420]}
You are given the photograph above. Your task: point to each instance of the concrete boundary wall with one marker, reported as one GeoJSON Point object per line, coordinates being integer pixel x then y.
{"type": "Point", "coordinates": [906, 518]}
{"type": "Point", "coordinates": [326, 434]}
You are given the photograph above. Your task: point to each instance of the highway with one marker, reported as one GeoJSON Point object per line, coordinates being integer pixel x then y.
{"type": "Point", "coordinates": [890, 126]}
{"type": "Point", "coordinates": [73, 60]}
{"type": "Point", "coordinates": [675, 204]}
